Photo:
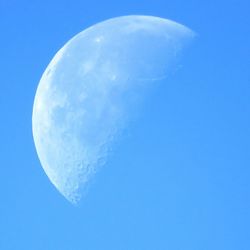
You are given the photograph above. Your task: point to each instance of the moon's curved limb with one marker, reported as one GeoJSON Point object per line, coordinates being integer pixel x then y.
{"type": "Point", "coordinates": [85, 94]}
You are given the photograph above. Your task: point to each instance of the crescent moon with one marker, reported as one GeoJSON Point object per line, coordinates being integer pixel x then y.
{"type": "Point", "coordinates": [87, 92]}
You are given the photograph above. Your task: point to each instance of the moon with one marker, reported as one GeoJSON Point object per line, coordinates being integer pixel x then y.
{"type": "Point", "coordinates": [92, 87]}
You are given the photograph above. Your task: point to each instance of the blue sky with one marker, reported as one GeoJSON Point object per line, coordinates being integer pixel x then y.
{"type": "Point", "coordinates": [178, 180]}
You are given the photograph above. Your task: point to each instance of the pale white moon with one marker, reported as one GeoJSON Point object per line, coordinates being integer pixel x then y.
{"type": "Point", "coordinates": [89, 89]}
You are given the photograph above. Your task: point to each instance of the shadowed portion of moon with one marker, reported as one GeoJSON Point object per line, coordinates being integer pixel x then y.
{"type": "Point", "coordinates": [86, 94]}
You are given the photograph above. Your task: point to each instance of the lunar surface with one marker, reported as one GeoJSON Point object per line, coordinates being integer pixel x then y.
{"type": "Point", "coordinates": [90, 89]}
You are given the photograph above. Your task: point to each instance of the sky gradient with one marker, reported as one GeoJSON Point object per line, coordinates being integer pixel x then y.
{"type": "Point", "coordinates": [179, 177]}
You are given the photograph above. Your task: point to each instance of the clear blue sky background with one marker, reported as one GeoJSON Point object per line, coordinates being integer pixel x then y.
{"type": "Point", "coordinates": [178, 181]}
